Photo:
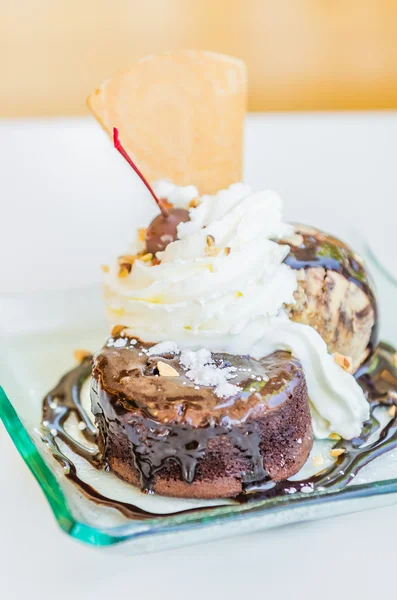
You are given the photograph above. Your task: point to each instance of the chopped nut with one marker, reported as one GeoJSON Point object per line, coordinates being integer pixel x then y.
{"type": "Point", "coordinates": [344, 361]}
{"type": "Point", "coordinates": [81, 355]}
{"type": "Point", "coordinates": [194, 203]}
{"type": "Point", "coordinates": [337, 452]}
{"type": "Point", "coordinates": [393, 411]}
{"type": "Point", "coordinates": [142, 234]}
{"type": "Point", "coordinates": [226, 250]}
{"type": "Point", "coordinates": [166, 370]}
{"type": "Point", "coordinates": [105, 268]}
{"type": "Point", "coordinates": [317, 461]}
{"type": "Point", "coordinates": [389, 377]}
{"type": "Point", "coordinates": [116, 330]}
{"type": "Point", "coordinates": [127, 259]}
{"type": "Point", "coordinates": [124, 271]}
{"type": "Point", "coordinates": [146, 257]}
{"type": "Point", "coordinates": [212, 251]}
{"type": "Point", "coordinates": [334, 436]}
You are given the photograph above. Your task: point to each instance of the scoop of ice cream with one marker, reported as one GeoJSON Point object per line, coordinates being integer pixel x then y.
{"type": "Point", "coordinates": [334, 294]}
{"type": "Point", "coordinates": [223, 285]}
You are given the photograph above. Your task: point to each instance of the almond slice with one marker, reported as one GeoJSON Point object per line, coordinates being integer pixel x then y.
{"type": "Point", "coordinates": [343, 361]}
{"type": "Point", "coordinates": [117, 330]}
{"type": "Point", "coordinates": [166, 370]}
{"type": "Point", "coordinates": [81, 355]}
{"type": "Point", "coordinates": [124, 271]}
{"type": "Point", "coordinates": [127, 259]}
{"type": "Point", "coordinates": [335, 452]}
{"type": "Point", "coordinates": [180, 116]}
{"type": "Point", "coordinates": [146, 257]}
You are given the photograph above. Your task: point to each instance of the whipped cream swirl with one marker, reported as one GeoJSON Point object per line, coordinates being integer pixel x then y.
{"type": "Point", "coordinates": [222, 286]}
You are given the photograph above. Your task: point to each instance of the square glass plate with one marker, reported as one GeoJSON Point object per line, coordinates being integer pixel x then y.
{"type": "Point", "coordinates": [40, 330]}
{"type": "Point", "coordinates": [75, 204]}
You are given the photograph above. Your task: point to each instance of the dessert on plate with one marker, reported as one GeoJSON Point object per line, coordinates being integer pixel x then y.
{"type": "Point", "coordinates": [236, 339]}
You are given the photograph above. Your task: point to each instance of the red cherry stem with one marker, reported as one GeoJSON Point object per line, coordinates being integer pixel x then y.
{"type": "Point", "coordinates": [119, 147]}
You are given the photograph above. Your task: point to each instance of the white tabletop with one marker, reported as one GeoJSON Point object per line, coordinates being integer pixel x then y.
{"type": "Point", "coordinates": [320, 164]}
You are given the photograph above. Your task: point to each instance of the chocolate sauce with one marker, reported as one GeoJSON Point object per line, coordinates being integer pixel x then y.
{"type": "Point", "coordinates": [377, 377]}
{"type": "Point", "coordinates": [318, 249]}
{"type": "Point", "coordinates": [59, 404]}
{"type": "Point", "coordinates": [152, 445]}
{"type": "Point", "coordinates": [170, 426]}
{"type": "Point", "coordinates": [64, 400]}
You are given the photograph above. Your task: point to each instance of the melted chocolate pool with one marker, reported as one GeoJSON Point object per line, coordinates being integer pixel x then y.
{"type": "Point", "coordinates": [377, 377]}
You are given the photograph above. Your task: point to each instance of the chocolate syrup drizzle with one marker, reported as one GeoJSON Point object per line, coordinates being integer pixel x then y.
{"type": "Point", "coordinates": [168, 424]}
{"type": "Point", "coordinates": [58, 405]}
{"type": "Point", "coordinates": [183, 445]}
{"type": "Point", "coordinates": [377, 377]}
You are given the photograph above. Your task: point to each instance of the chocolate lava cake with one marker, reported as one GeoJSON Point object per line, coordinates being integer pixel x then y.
{"type": "Point", "coordinates": [162, 432]}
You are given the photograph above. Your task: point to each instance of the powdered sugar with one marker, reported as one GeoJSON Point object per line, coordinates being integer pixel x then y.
{"type": "Point", "coordinates": [202, 370]}
{"type": "Point", "coordinates": [164, 348]}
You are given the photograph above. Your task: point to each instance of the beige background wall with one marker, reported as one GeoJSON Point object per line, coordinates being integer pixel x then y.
{"type": "Point", "coordinates": [301, 54]}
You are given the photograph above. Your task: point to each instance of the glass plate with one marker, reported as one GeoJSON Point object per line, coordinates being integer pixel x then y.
{"type": "Point", "coordinates": [39, 333]}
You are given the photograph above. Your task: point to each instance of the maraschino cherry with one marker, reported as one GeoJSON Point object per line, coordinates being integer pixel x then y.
{"type": "Point", "coordinates": [162, 230]}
